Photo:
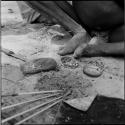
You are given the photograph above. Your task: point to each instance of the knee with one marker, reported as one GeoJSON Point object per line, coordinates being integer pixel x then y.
{"type": "Point", "coordinates": [117, 35]}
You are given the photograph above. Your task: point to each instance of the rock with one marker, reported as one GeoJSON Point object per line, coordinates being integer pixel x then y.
{"type": "Point", "coordinates": [38, 65]}
{"type": "Point", "coordinates": [93, 71]}
{"type": "Point", "coordinates": [94, 68]}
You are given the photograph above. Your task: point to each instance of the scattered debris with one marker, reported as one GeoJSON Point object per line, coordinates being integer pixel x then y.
{"type": "Point", "coordinates": [69, 62]}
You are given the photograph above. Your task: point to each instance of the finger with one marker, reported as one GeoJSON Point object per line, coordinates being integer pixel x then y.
{"type": "Point", "coordinates": [79, 51]}
{"type": "Point", "coordinates": [68, 48]}
{"type": "Point", "coordinates": [65, 50]}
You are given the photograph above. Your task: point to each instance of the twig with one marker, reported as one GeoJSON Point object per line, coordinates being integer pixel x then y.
{"type": "Point", "coordinates": [12, 54]}
{"type": "Point", "coordinates": [24, 112]}
{"type": "Point", "coordinates": [9, 80]}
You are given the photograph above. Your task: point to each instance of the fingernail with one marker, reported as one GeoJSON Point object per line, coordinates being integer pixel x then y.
{"type": "Point", "coordinates": [75, 55]}
{"type": "Point", "coordinates": [59, 52]}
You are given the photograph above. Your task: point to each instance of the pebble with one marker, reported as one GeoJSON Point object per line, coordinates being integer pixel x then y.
{"type": "Point", "coordinates": [38, 65]}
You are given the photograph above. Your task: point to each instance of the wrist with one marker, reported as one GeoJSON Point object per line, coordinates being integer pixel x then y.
{"type": "Point", "coordinates": [103, 48]}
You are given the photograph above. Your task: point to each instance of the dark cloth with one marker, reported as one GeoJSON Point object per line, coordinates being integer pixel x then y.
{"type": "Point", "coordinates": [104, 110]}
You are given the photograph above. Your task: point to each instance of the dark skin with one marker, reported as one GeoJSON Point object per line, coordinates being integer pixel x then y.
{"type": "Point", "coordinates": [84, 17]}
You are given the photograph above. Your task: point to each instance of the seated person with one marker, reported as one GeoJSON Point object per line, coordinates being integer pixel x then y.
{"type": "Point", "coordinates": [97, 26]}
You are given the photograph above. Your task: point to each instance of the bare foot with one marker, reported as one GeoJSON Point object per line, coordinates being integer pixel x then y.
{"type": "Point", "coordinates": [71, 46]}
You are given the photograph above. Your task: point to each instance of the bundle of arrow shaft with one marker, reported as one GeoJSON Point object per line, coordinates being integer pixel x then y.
{"type": "Point", "coordinates": [55, 95]}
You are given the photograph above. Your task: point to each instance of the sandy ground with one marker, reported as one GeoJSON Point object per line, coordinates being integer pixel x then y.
{"type": "Point", "coordinates": [33, 41]}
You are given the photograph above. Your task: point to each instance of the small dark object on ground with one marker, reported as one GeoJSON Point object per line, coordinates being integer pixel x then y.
{"type": "Point", "coordinates": [2, 26]}
{"type": "Point", "coordinates": [38, 65]}
{"type": "Point", "coordinates": [10, 11]}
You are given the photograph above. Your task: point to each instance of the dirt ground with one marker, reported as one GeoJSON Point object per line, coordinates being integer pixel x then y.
{"type": "Point", "coordinates": [34, 41]}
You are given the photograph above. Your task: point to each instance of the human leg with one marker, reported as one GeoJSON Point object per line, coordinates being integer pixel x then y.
{"type": "Point", "coordinates": [52, 9]}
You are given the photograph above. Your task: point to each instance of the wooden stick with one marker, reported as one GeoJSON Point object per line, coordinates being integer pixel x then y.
{"type": "Point", "coordinates": [37, 113]}
{"type": "Point", "coordinates": [22, 113]}
{"type": "Point", "coordinates": [33, 100]}
{"type": "Point", "coordinates": [30, 93]}
{"type": "Point", "coordinates": [11, 53]}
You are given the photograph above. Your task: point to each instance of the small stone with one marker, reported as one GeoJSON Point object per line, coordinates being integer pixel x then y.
{"type": "Point", "coordinates": [38, 65]}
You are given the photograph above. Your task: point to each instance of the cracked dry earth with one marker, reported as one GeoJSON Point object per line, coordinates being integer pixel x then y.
{"type": "Point", "coordinates": [34, 41]}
